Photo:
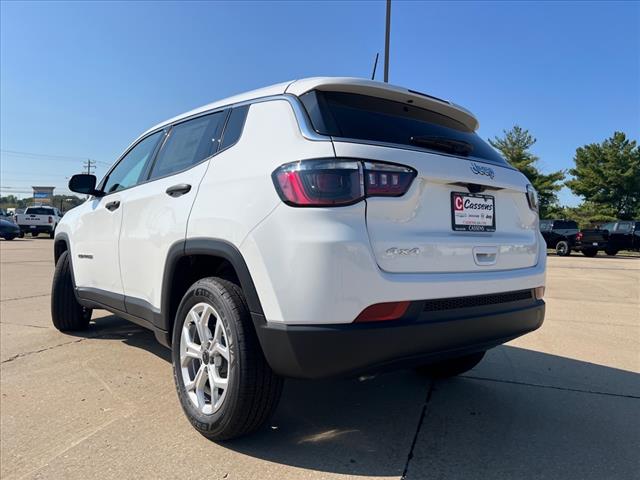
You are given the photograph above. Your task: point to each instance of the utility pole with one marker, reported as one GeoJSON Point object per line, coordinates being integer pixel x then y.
{"type": "Point", "coordinates": [386, 43]}
{"type": "Point", "coordinates": [89, 164]}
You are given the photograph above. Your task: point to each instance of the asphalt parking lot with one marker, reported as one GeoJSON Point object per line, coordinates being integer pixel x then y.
{"type": "Point", "coordinates": [562, 402]}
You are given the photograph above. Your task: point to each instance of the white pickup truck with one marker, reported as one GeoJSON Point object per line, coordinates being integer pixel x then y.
{"type": "Point", "coordinates": [39, 219]}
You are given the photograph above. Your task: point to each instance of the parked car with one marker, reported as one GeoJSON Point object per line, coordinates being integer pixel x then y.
{"type": "Point", "coordinates": [610, 237]}
{"type": "Point", "coordinates": [39, 219]}
{"type": "Point", "coordinates": [318, 228]}
{"type": "Point", "coordinates": [559, 235]}
{"type": "Point", "coordinates": [8, 229]}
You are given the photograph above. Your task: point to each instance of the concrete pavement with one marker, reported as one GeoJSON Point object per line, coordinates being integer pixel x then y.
{"type": "Point", "coordinates": [562, 402]}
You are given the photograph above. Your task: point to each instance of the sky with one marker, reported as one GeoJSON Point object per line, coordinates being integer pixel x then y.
{"type": "Point", "coordinates": [83, 80]}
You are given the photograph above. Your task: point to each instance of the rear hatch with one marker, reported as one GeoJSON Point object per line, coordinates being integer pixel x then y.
{"type": "Point", "coordinates": [36, 217]}
{"type": "Point", "coordinates": [466, 210]}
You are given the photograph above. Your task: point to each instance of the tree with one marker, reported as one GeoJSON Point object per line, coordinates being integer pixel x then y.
{"type": "Point", "coordinates": [607, 175]}
{"type": "Point", "coordinates": [515, 146]}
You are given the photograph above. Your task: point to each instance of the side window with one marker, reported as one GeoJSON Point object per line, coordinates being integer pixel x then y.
{"type": "Point", "coordinates": [623, 227]}
{"type": "Point", "coordinates": [234, 127]}
{"type": "Point", "coordinates": [189, 143]}
{"type": "Point", "coordinates": [607, 226]}
{"type": "Point", "coordinates": [127, 172]}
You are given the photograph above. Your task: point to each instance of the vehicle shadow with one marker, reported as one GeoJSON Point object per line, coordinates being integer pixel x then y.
{"type": "Point", "coordinates": [519, 414]}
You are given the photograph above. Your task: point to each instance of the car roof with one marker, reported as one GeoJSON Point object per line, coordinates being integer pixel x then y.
{"type": "Point", "coordinates": [341, 84]}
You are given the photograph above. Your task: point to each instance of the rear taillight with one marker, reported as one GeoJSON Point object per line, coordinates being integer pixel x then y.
{"type": "Point", "coordinates": [579, 236]}
{"type": "Point", "coordinates": [338, 182]}
{"type": "Point", "coordinates": [50, 219]}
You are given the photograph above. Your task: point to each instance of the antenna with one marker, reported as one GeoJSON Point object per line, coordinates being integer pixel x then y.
{"type": "Point", "coordinates": [386, 43]}
{"type": "Point", "coordinates": [375, 64]}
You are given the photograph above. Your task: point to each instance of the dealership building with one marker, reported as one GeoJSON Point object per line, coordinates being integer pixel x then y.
{"type": "Point", "coordinates": [43, 195]}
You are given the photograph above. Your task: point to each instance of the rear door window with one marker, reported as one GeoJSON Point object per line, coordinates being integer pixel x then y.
{"type": "Point", "coordinates": [624, 227]}
{"type": "Point", "coordinates": [363, 117]}
{"type": "Point", "coordinates": [546, 225]}
{"type": "Point", "coordinates": [234, 127]}
{"type": "Point", "coordinates": [189, 143]}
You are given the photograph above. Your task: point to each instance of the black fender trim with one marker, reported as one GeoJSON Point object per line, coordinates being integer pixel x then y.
{"type": "Point", "coordinates": [212, 247]}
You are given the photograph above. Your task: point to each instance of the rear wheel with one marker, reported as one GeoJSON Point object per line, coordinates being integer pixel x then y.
{"type": "Point", "coordinates": [9, 237]}
{"type": "Point", "coordinates": [563, 249]}
{"type": "Point", "coordinates": [451, 367]}
{"type": "Point", "coordinates": [224, 383]}
{"type": "Point", "coordinates": [612, 252]}
{"type": "Point", "coordinates": [590, 252]}
{"type": "Point", "coordinates": [67, 314]}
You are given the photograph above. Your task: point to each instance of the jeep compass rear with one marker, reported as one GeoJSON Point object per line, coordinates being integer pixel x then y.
{"type": "Point", "coordinates": [317, 228]}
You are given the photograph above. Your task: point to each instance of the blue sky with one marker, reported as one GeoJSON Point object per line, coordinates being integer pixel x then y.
{"type": "Point", "coordinates": [82, 80]}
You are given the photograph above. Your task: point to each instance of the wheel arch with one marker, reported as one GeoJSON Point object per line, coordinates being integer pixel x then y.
{"type": "Point", "coordinates": [60, 245]}
{"type": "Point", "coordinates": [198, 257]}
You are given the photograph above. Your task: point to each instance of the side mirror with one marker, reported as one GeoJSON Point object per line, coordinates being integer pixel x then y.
{"type": "Point", "coordinates": [84, 183]}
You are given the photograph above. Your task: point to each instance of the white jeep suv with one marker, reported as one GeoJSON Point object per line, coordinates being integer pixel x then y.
{"type": "Point", "coordinates": [316, 228]}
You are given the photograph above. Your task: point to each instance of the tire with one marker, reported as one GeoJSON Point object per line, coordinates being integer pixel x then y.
{"type": "Point", "coordinates": [611, 252]}
{"type": "Point", "coordinates": [590, 252]}
{"type": "Point", "coordinates": [451, 367]}
{"type": "Point", "coordinates": [563, 249]}
{"type": "Point", "coordinates": [252, 390]}
{"type": "Point", "coordinates": [66, 313]}
{"type": "Point", "coordinates": [9, 237]}
{"type": "Point", "coordinates": [52, 233]}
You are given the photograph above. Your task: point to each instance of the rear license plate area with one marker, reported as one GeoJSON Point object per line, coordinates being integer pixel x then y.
{"type": "Point", "coordinates": [472, 212]}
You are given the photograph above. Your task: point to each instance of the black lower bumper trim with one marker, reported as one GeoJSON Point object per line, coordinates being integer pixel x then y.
{"type": "Point", "coordinates": [335, 350]}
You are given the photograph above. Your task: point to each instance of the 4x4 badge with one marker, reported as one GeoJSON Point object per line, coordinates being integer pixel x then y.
{"type": "Point", "coordinates": [480, 170]}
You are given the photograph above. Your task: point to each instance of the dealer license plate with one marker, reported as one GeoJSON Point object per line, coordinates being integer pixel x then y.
{"type": "Point", "coordinates": [471, 212]}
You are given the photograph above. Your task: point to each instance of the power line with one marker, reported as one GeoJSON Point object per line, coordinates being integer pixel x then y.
{"type": "Point", "coordinates": [70, 158]}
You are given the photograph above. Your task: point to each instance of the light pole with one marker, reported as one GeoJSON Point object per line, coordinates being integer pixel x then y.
{"type": "Point", "coordinates": [386, 43]}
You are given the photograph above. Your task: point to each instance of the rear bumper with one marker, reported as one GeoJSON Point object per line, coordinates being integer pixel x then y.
{"type": "Point", "coordinates": [600, 245]}
{"type": "Point", "coordinates": [422, 336]}
{"type": "Point", "coordinates": [36, 228]}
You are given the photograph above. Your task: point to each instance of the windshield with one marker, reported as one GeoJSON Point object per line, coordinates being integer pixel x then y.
{"type": "Point", "coordinates": [362, 117]}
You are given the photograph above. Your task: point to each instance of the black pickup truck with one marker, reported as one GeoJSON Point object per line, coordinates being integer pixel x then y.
{"type": "Point", "coordinates": [610, 237]}
{"type": "Point", "coordinates": [559, 234]}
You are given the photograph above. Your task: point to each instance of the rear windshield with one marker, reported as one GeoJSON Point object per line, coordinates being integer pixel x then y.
{"type": "Point", "coordinates": [39, 211]}
{"type": "Point", "coordinates": [362, 117]}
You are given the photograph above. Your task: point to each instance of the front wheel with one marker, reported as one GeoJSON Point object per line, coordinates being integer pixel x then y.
{"type": "Point", "coordinates": [9, 237]}
{"type": "Point", "coordinates": [224, 383]}
{"type": "Point", "coordinates": [67, 314]}
{"type": "Point", "coordinates": [563, 249]}
{"type": "Point", "coordinates": [611, 252]}
{"type": "Point", "coordinates": [590, 252]}
{"type": "Point", "coordinates": [451, 367]}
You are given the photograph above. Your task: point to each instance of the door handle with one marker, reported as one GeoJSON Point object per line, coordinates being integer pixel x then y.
{"type": "Point", "coordinates": [112, 205]}
{"type": "Point", "coordinates": [178, 190]}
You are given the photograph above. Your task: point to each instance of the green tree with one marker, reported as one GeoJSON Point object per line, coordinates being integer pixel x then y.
{"type": "Point", "coordinates": [607, 175]}
{"type": "Point", "coordinates": [514, 146]}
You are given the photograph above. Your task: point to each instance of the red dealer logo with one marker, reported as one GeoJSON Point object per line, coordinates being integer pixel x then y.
{"type": "Point", "coordinates": [457, 203]}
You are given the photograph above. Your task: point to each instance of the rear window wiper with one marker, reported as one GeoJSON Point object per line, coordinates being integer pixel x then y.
{"type": "Point", "coordinates": [447, 145]}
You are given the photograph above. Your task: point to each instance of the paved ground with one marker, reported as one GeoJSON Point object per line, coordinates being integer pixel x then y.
{"type": "Point", "coordinates": [563, 402]}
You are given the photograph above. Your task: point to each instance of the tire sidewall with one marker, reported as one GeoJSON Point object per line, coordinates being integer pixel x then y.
{"type": "Point", "coordinates": [562, 248]}
{"type": "Point", "coordinates": [199, 293]}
